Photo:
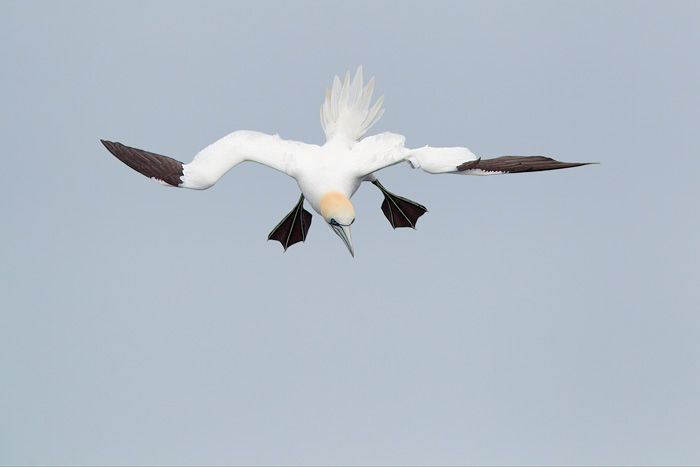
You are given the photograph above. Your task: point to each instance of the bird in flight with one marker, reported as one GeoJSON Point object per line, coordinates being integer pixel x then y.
{"type": "Point", "coordinates": [328, 175]}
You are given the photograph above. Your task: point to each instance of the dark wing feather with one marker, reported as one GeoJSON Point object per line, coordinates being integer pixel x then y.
{"type": "Point", "coordinates": [150, 164]}
{"type": "Point", "coordinates": [517, 164]}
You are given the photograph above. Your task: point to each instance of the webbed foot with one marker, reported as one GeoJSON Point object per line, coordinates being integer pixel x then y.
{"type": "Point", "coordinates": [400, 212]}
{"type": "Point", "coordinates": [294, 227]}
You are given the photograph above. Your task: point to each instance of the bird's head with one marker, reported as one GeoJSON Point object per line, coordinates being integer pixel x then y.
{"type": "Point", "coordinates": [337, 210]}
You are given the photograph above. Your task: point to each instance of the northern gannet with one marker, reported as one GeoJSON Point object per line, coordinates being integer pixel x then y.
{"type": "Point", "coordinates": [329, 175]}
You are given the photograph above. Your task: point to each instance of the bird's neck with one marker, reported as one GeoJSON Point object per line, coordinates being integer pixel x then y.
{"type": "Point", "coordinates": [339, 141]}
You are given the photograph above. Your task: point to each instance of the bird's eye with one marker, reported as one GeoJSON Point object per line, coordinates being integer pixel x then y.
{"type": "Point", "coordinates": [334, 222]}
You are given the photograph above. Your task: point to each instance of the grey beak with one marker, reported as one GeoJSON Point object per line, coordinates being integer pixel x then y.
{"type": "Point", "coordinates": [343, 232]}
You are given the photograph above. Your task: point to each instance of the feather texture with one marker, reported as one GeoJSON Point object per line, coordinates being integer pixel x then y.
{"type": "Point", "coordinates": [328, 175]}
{"type": "Point", "coordinates": [346, 112]}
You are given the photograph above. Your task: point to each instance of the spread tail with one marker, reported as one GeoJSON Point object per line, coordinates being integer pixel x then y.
{"type": "Point", "coordinates": [346, 111]}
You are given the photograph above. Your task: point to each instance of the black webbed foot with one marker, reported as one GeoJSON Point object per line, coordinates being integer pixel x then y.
{"type": "Point", "coordinates": [400, 212]}
{"type": "Point", "coordinates": [294, 227]}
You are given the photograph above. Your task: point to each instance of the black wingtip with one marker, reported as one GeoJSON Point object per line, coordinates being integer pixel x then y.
{"type": "Point", "coordinates": [152, 165]}
{"type": "Point", "coordinates": [518, 164]}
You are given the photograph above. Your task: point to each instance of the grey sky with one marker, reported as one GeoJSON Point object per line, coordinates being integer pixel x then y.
{"type": "Point", "coordinates": [547, 318]}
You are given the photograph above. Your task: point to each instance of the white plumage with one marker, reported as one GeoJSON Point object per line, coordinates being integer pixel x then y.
{"type": "Point", "coordinates": [328, 175]}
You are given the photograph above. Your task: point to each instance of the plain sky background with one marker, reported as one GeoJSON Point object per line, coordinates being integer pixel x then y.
{"type": "Point", "coordinates": [547, 318]}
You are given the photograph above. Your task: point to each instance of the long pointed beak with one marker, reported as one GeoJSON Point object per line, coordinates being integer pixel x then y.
{"type": "Point", "coordinates": [343, 232]}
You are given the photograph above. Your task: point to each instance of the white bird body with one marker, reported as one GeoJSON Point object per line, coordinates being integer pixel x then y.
{"type": "Point", "coordinates": [329, 175]}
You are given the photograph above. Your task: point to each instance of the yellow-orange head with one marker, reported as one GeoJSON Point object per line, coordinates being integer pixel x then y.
{"type": "Point", "coordinates": [336, 206]}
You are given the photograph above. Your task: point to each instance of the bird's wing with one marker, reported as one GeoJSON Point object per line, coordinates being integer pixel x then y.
{"type": "Point", "coordinates": [514, 164]}
{"type": "Point", "coordinates": [212, 162]}
{"type": "Point", "coordinates": [462, 161]}
{"type": "Point", "coordinates": [387, 149]}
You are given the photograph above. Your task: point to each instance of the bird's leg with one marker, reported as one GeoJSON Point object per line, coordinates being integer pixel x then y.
{"type": "Point", "coordinates": [294, 227]}
{"type": "Point", "coordinates": [400, 212]}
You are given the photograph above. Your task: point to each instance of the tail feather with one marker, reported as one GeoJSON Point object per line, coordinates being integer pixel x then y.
{"type": "Point", "coordinates": [356, 87]}
{"type": "Point", "coordinates": [346, 111]}
{"type": "Point", "coordinates": [367, 95]}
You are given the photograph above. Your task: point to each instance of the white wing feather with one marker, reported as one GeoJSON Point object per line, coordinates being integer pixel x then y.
{"type": "Point", "coordinates": [384, 150]}
{"type": "Point", "coordinates": [212, 162]}
{"type": "Point", "coordinates": [439, 160]}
